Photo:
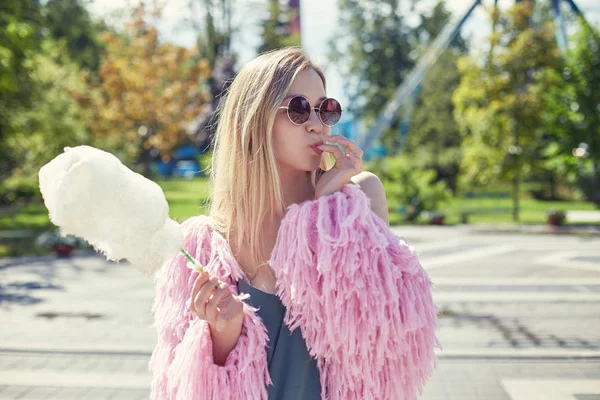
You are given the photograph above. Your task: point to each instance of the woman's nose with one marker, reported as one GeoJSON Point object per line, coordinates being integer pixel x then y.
{"type": "Point", "coordinates": [314, 123]}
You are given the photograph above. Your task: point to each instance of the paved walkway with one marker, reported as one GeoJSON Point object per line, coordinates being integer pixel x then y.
{"type": "Point", "coordinates": [519, 321]}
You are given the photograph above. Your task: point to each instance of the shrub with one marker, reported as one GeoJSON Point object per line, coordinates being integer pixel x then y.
{"type": "Point", "coordinates": [409, 188]}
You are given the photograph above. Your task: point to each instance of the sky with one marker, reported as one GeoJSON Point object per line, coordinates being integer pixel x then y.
{"type": "Point", "coordinates": [319, 20]}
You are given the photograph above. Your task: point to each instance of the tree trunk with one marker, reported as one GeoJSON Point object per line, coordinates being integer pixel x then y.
{"type": "Point", "coordinates": [516, 196]}
{"type": "Point", "coordinates": [595, 179]}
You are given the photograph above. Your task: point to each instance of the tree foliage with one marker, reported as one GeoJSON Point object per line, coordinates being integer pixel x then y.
{"type": "Point", "coordinates": [70, 21]}
{"type": "Point", "coordinates": [572, 115]}
{"type": "Point", "coordinates": [147, 93]}
{"type": "Point", "coordinates": [499, 102]}
{"type": "Point", "coordinates": [276, 33]}
{"type": "Point", "coordinates": [51, 121]}
{"type": "Point", "coordinates": [212, 23]}
{"type": "Point", "coordinates": [433, 132]}
{"type": "Point", "coordinates": [376, 53]}
{"type": "Point", "coordinates": [414, 190]}
{"type": "Point", "coordinates": [43, 46]}
{"type": "Point", "coordinates": [20, 40]}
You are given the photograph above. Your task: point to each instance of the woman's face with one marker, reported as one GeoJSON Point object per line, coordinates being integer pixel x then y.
{"type": "Point", "coordinates": [294, 143]}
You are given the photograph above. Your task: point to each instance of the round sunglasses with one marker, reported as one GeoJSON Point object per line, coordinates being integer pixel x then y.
{"type": "Point", "coordinates": [299, 108]}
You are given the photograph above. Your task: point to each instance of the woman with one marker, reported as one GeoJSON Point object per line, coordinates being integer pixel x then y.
{"type": "Point", "coordinates": [294, 240]}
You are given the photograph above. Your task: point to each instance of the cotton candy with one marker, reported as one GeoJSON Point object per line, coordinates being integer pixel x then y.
{"type": "Point", "coordinates": [89, 193]}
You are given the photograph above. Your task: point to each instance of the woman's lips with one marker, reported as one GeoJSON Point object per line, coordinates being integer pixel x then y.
{"type": "Point", "coordinates": [316, 149]}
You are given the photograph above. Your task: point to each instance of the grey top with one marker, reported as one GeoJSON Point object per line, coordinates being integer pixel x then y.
{"type": "Point", "coordinates": [293, 371]}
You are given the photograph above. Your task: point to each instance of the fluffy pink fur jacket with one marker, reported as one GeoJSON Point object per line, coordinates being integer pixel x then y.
{"type": "Point", "coordinates": [357, 292]}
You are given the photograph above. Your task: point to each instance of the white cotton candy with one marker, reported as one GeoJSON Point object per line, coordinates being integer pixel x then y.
{"type": "Point", "coordinates": [91, 194]}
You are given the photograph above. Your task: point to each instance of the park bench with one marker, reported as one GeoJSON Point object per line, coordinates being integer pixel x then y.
{"type": "Point", "coordinates": [467, 210]}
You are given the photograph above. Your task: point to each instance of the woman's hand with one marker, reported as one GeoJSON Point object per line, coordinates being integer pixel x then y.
{"type": "Point", "coordinates": [212, 301]}
{"type": "Point", "coordinates": [347, 164]}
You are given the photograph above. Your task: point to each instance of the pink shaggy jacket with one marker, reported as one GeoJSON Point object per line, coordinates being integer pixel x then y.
{"type": "Point", "coordinates": [357, 292]}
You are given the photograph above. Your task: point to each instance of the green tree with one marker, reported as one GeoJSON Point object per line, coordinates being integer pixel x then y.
{"type": "Point", "coordinates": [499, 104]}
{"type": "Point", "coordinates": [410, 190]}
{"type": "Point", "coordinates": [51, 120]}
{"type": "Point", "coordinates": [147, 95]}
{"type": "Point", "coordinates": [28, 50]}
{"type": "Point", "coordinates": [585, 64]}
{"type": "Point", "coordinates": [375, 51]}
{"type": "Point", "coordinates": [572, 115]}
{"type": "Point", "coordinates": [433, 132]}
{"type": "Point", "coordinates": [214, 31]}
{"type": "Point", "coordinates": [20, 38]}
{"type": "Point", "coordinates": [70, 20]}
{"type": "Point", "coordinates": [431, 25]}
{"type": "Point", "coordinates": [275, 33]}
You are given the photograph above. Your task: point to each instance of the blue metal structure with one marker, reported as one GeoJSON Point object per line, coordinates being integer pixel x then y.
{"type": "Point", "coordinates": [406, 91]}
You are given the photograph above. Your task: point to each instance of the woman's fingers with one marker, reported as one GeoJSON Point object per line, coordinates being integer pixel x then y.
{"type": "Point", "coordinates": [354, 160]}
{"type": "Point", "coordinates": [219, 298]}
{"type": "Point", "coordinates": [213, 301]}
{"type": "Point", "coordinates": [201, 279]}
{"type": "Point", "coordinates": [203, 294]}
{"type": "Point", "coordinates": [347, 143]}
{"type": "Point", "coordinates": [336, 151]}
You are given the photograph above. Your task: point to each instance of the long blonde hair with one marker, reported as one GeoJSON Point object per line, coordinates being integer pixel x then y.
{"type": "Point", "coordinates": [246, 186]}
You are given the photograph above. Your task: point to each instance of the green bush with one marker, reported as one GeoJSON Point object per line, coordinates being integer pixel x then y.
{"type": "Point", "coordinates": [410, 190]}
{"type": "Point", "coordinates": [19, 190]}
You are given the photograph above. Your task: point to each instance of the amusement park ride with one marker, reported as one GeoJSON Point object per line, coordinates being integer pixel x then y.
{"type": "Point", "coordinates": [404, 94]}
{"type": "Point", "coordinates": [407, 92]}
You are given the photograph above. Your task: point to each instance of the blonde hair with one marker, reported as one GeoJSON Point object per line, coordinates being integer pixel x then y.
{"type": "Point", "coordinates": [246, 186]}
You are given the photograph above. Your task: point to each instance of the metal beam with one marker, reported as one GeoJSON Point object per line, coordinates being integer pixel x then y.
{"type": "Point", "coordinates": [415, 77]}
{"type": "Point", "coordinates": [559, 21]}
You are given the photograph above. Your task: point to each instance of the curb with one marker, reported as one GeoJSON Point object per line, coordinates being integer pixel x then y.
{"type": "Point", "coordinates": [539, 230]}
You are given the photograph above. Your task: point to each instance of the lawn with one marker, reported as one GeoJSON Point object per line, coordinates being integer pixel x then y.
{"type": "Point", "coordinates": [187, 198]}
{"type": "Point", "coordinates": [531, 211]}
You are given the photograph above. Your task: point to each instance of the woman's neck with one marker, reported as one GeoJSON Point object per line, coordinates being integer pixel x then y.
{"type": "Point", "coordinates": [297, 187]}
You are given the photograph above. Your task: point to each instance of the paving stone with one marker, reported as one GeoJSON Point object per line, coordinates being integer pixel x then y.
{"type": "Point", "coordinates": [87, 316]}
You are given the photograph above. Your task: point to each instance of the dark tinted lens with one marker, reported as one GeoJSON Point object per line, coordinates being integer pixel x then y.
{"type": "Point", "coordinates": [330, 112]}
{"type": "Point", "coordinates": [299, 110]}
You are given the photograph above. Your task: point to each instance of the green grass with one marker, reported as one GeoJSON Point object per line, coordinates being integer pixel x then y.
{"type": "Point", "coordinates": [31, 216]}
{"type": "Point", "coordinates": [187, 198]}
{"type": "Point", "coordinates": [531, 211]}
